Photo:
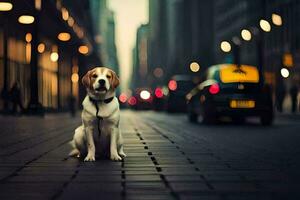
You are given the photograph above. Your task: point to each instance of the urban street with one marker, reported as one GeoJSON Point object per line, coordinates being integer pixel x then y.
{"type": "Point", "coordinates": [167, 158]}
{"type": "Point", "coordinates": [149, 99]}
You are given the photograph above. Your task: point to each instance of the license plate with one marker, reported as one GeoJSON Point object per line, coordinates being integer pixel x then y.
{"type": "Point", "coordinates": [242, 104]}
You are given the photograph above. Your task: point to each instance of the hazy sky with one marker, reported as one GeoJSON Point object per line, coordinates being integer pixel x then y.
{"type": "Point", "coordinates": [129, 15]}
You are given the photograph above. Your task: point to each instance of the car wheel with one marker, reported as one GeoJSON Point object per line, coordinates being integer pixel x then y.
{"type": "Point", "coordinates": [266, 119]}
{"type": "Point", "coordinates": [193, 117]}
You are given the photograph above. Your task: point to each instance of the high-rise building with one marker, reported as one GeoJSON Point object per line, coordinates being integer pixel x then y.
{"type": "Point", "coordinates": [140, 73]}
{"type": "Point", "coordinates": [104, 25]}
{"type": "Point", "coordinates": [180, 32]}
{"type": "Point", "coordinates": [267, 50]}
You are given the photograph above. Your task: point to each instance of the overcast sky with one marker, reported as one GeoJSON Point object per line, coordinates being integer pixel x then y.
{"type": "Point", "coordinates": [129, 15]}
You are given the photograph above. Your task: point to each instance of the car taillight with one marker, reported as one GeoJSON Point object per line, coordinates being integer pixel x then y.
{"type": "Point", "coordinates": [159, 93]}
{"type": "Point", "coordinates": [123, 98]}
{"type": "Point", "coordinates": [214, 89]}
{"type": "Point", "coordinates": [132, 101]}
{"type": "Point", "coordinates": [172, 85]}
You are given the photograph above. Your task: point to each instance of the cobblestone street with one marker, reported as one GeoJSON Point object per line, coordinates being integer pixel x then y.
{"type": "Point", "coordinates": [167, 158]}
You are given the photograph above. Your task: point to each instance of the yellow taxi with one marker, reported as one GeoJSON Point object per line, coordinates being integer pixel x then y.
{"type": "Point", "coordinates": [230, 90]}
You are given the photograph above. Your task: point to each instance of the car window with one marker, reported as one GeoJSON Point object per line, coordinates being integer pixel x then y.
{"type": "Point", "coordinates": [243, 74]}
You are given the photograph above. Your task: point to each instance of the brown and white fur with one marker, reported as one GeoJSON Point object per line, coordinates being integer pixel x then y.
{"type": "Point", "coordinates": [100, 84]}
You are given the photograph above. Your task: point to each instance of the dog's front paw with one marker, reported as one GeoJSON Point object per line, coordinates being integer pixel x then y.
{"type": "Point", "coordinates": [89, 157]}
{"type": "Point", "coordinates": [115, 157]}
{"type": "Point", "coordinates": [122, 154]}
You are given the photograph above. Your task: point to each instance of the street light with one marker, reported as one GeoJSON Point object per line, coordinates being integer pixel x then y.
{"type": "Point", "coordinates": [64, 36]}
{"type": "Point", "coordinates": [225, 46]}
{"type": "Point", "coordinates": [83, 49]}
{"type": "Point", "coordinates": [26, 19]}
{"type": "Point", "coordinates": [246, 35]}
{"type": "Point", "coordinates": [285, 73]}
{"type": "Point", "coordinates": [6, 6]}
{"type": "Point", "coordinates": [194, 67]}
{"type": "Point", "coordinates": [276, 19]}
{"type": "Point", "coordinates": [265, 25]}
{"type": "Point", "coordinates": [54, 56]}
{"type": "Point", "coordinates": [41, 48]}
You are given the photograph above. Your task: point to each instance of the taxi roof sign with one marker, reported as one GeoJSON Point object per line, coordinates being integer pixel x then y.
{"type": "Point", "coordinates": [230, 73]}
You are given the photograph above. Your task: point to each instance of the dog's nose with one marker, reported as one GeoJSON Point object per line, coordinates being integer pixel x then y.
{"type": "Point", "coordinates": [102, 82]}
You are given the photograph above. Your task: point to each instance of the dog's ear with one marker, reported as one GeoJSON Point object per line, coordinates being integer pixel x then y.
{"type": "Point", "coordinates": [86, 79]}
{"type": "Point", "coordinates": [115, 80]}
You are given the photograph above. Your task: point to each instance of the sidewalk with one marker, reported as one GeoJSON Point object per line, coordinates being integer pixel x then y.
{"type": "Point", "coordinates": [160, 164]}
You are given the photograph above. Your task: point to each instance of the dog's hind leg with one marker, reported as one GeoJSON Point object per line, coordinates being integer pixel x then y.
{"type": "Point", "coordinates": [78, 143]}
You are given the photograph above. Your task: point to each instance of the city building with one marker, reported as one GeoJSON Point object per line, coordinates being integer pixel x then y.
{"type": "Point", "coordinates": [180, 32]}
{"type": "Point", "coordinates": [140, 71]}
{"type": "Point", "coordinates": [45, 47]}
{"type": "Point", "coordinates": [104, 23]}
{"type": "Point", "coordinates": [266, 49]}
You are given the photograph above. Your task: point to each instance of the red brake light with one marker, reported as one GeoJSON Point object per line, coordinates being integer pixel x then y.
{"type": "Point", "coordinates": [123, 98]}
{"type": "Point", "coordinates": [159, 93]}
{"type": "Point", "coordinates": [132, 101]}
{"type": "Point", "coordinates": [214, 89]}
{"type": "Point", "coordinates": [172, 85]}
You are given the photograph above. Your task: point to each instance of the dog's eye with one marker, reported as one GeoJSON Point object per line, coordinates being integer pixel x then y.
{"type": "Point", "coordinates": [94, 76]}
{"type": "Point", "coordinates": [108, 76]}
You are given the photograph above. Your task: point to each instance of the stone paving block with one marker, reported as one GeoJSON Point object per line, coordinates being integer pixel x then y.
{"type": "Point", "coordinates": [191, 186]}
{"type": "Point", "coordinates": [149, 197]}
{"type": "Point", "coordinates": [237, 186]}
{"type": "Point", "coordinates": [97, 178]}
{"type": "Point", "coordinates": [145, 185]}
{"type": "Point", "coordinates": [199, 197]}
{"type": "Point", "coordinates": [39, 179]}
{"type": "Point", "coordinates": [18, 190]}
{"type": "Point", "coordinates": [154, 177]}
{"type": "Point", "coordinates": [177, 178]}
{"type": "Point", "coordinates": [222, 177]}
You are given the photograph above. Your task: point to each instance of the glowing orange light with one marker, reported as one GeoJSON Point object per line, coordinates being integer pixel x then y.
{"type": "Point", "coordinates": [172, 85]}
{"type": "Point", "coordinates": [75, 78]}
{"type": "Point", "coordinates": [6, 6]}
{"type": "Point", "coordinates": [64, 36]}
{"type": "Point", "coordinates": [83, 49]}
{"type": "Point", "coordinates": [123, 98]}
{"type": "Point", "coordinates": [26, 19]}
{"type": "Point", "coordinates": [41, 48]}
{"type": "Point", "coordinates": [28, 37]}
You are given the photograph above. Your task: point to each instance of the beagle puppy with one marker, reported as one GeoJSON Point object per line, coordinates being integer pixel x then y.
{"type": "Point", "coordinates": [99, 133]}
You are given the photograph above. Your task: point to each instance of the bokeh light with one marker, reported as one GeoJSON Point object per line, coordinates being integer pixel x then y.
{"type": "Point", "coordinates": [246, 35]}
{"type": "Point", "coordinates": [285, 73]}
{"type": "Point", "coordinates": [265, 25]}
{"type": "Point", "coordinates": [194, 67]}
{"type": "Point", "coordinates": [225, 46]}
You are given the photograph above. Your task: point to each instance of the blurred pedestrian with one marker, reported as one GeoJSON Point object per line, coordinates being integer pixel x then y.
{"type": "Point", "coordinates": [16, 98]}
{"type": "Point", "coordinates": [280, 95]}
{"type": "Point", "coordinates": [294, 95]}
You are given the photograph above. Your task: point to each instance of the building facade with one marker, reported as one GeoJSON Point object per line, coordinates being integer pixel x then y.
{"type": "Point", "coordinates": [232, 16]}
{"type": "Point", "coordinates": [104, 26]}
{"type": "Point", "coordinates": [47, 56]}
{"type": "Point", "coordinates": [179, 33]}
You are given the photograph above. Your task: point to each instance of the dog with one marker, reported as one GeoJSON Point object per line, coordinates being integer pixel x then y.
{"type": "Point", "coordinates": [99, 133]}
